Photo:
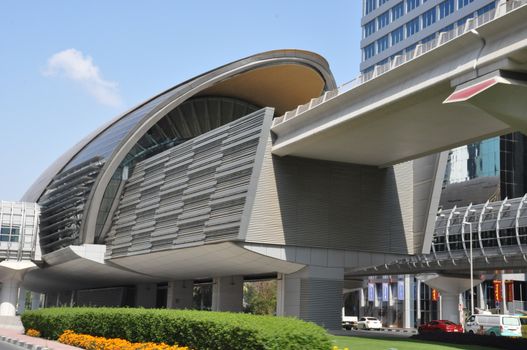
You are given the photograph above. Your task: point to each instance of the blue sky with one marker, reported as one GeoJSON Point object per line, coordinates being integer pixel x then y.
{"type": "Point", "coordinates": [66, 67]}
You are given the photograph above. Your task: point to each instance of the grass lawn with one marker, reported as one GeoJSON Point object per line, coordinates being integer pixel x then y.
{"type": "Point", "coordinates": [360, 343]}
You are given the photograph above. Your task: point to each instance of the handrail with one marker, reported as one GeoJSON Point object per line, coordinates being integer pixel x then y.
{"type": "Point", "coordinates": [393, 62]}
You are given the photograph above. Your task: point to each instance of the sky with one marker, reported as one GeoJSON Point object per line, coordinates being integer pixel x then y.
{"type": "Point", "coordinates": [67, 67]}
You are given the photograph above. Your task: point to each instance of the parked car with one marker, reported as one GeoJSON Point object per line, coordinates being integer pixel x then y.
{"type": "Point", "coordinates": [506, 325]}
{"type": "Point", "coordinates": [440, 326]}
{"type": "Point", "coordinates": [369, 323]}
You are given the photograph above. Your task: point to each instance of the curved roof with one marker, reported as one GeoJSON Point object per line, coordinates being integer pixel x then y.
{"type": "Point", "coordinates": [281, 79]}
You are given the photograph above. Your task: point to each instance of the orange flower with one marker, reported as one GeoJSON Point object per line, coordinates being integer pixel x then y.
{"type": "Point", "coordinates": [33, 332]}
{"type": "Point", "coordinates": [90, 342]}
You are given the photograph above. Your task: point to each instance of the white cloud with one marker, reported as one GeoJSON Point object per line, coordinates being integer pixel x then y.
{"type": "Point", "coordinates": [74, 65]}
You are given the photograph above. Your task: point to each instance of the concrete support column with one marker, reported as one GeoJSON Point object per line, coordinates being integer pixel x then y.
{"type": "Point", "coordinates": [21, 300]}
{"type": "Point", "coordinates": [179, 294]}
{"type": "Point", "coordinates": [418, 299]}
{"type": "Point", "coordinates": [450, 306]}
{"type": "Point", "coordinates": [450, 288]}
{"type": "Point", "coordinates": [312, 294]}
{"type": "Point", "coordinates": [482, 304]}
{"type": "Point", "coordinates": [503, 304]}
{"type": "Point", "coordinates": [35, 300]}
{"type": "Point", "coordinates": [227, 294]}
{"type": "Point", "coordinates": [8, 297]}
{"type": "Point", "coordinates": [408, 320]}
{"type": "Point", "coordinates": [145, 295]}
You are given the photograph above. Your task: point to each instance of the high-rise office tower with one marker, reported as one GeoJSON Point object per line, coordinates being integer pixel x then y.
{"type": "Point", "coordinates": [394, 27]}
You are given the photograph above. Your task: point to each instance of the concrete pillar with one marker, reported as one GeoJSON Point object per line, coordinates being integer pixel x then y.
{"type": "Point", "coordinates": [418, 299]}
{"type": "Point", "coordinates": [35, 300]}
{"type": "Point", "coordinates": [145, 295]}
{"type": "Point", "coordinates": [408, 316]}
{"type": "Point", "coordinates": [8, 297]}
{"type": "Point", "coordinates": [503, 304]}
{"type": "Point", "coordinates": [179, 294]}
{"type": "Point", "coordinates": [12, 273]}
{"type": "Point", "coordinates": [312, 294]}
{"type": "Point", "coordinates": [227, 294]}
{"type": "Point", "coordinates": [450, 306]}
{"type": "Point", "coordinates": [450, 288]}
{"type": "Point", "coordinates": [481, 297]}
{"type": "Point", "coordinates": [21, 300]}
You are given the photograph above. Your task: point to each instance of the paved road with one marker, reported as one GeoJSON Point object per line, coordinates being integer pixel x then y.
{"type": "Point", "coordinates": [373, 334]}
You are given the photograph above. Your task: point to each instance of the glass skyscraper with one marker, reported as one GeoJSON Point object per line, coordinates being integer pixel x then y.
{"type": "Point", "coordinates": [395, 27]}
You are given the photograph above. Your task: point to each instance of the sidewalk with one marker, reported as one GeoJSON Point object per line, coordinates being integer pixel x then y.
{"type": "Point", "coordinates": [408, 331]}
{"type": "Point", "coordinates": [16, 337]}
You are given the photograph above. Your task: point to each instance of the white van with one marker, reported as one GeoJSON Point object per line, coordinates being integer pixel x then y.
{"type": "Point", "coordinates": [506, 325]}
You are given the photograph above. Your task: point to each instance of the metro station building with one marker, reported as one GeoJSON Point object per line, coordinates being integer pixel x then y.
{"type": "Point", "coordinates": [259, 169]}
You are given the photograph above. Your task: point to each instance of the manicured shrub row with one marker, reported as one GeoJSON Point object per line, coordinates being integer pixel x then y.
{"type": "Point", "coordinates": [507, 343]}
{"type": "Point", "coordinates": [89, 342]}
{"type": "Point", "coordinates": [199, 330]}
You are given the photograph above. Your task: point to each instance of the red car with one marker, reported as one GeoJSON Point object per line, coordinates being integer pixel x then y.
{"type": "Point", "coordinates": [440, 326]}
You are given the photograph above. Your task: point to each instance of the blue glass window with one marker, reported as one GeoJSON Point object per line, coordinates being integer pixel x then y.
{"type": "Point", "coordinates": [105, 143]}
{"type": "Point", "coordinates": [411, 4]}
{"type": "Point", "coordinates": [429, 17]}
{"type": "Point", "coordinates": [446, 8]}
{"type": "Point", "coordinates": [410, 48]}
{"type": "Point", "coordinates": [412, 27]}
{"type": "Point", "coordinates": [397, 35]}
{"type": "Point", "coordinates": [9, 234]}
{"type": "Point", "coordinates": [370, 5]}
{"type": "Point", "coordinates": [463, 3]}
{"type": "Point", "coordinates": [397, 11]}
{"type": "Point", "coordinates": [382, 44]}
{"type": "Point", "coordinates": [428, 38]}
{"type": "Point", "coordinates": [486, 8]}
{"type": "Point", "coordinates": [392, 57]}
{"type": "Point", "coordinates": [369, 51]}
{"type": "Point", "coordinates": [447, 28]}
{"type": "Point", "coordinates": [381, 2]}
{"type": "Point", "coordinates": [463, 20]}
{"type": "Point", "coordinates": [384, 61]}
{"type": "Point", "coordinates": [383, 19]}
{"type": "Point", "coordinates": [368, 70]}
{"type": "Point", "coordinates": [369, 28]}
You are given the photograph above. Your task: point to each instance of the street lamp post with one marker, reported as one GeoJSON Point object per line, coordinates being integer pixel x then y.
{"type": "Point", "coordinates": [471, 270]}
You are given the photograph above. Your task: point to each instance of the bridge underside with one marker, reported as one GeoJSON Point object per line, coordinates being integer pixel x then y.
{"type": "Point", "coordinates": [402, 114]}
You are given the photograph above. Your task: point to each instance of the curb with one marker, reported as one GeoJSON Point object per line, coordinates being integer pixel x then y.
{"type": "Point", "coordinates": [399, 330]}
{"type": "Point", "coordinates": [22, 344]}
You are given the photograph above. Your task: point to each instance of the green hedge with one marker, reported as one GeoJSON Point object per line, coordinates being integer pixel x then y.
{"type": "Point", "coordinates": [200, 330]}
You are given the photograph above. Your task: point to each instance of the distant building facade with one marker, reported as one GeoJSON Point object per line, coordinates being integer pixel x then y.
{"type": "Point", "coordinates": [396, 27]}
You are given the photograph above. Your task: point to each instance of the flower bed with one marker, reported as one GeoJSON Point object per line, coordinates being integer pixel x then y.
{"type": "Point", "coordinates": [90, 342]}
{"type": "Point", "coordinates": [201, 330]}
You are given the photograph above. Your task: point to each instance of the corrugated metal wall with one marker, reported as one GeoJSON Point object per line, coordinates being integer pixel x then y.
{"type": "Point", "coordinates": [314, 203]}
{"type": "Point", "coordinates": [315, 306]}
{"type": "Point", "coordinates": [191, 194]}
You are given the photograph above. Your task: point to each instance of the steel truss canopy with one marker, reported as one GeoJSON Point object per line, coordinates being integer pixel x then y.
{"type": "Point", "coordinates": [499, 238]}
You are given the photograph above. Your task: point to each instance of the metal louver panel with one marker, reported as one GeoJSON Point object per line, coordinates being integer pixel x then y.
{"type": "Point", "coordinates": [193, 193]}
{"type": "Point", "coordinates": [63, 203]}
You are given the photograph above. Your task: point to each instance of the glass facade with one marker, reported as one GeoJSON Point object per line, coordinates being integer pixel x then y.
{"type": "Point", "coordinates": [19, 230]}
{"type": "Point", "coordinates": [397, 11]}
{"type": "Point", "coordinates": [413, 16]}
{"type": "Point", "coordinates": [472, 161]}
{"type": "Point", "coordinates": [429, 17]}
{"type": "Point", "coordinates": [106, 142]}
{"type": "Point", "coordinates": [446, 8]}
{"type": "Point", "coordinates": [383, 20]}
